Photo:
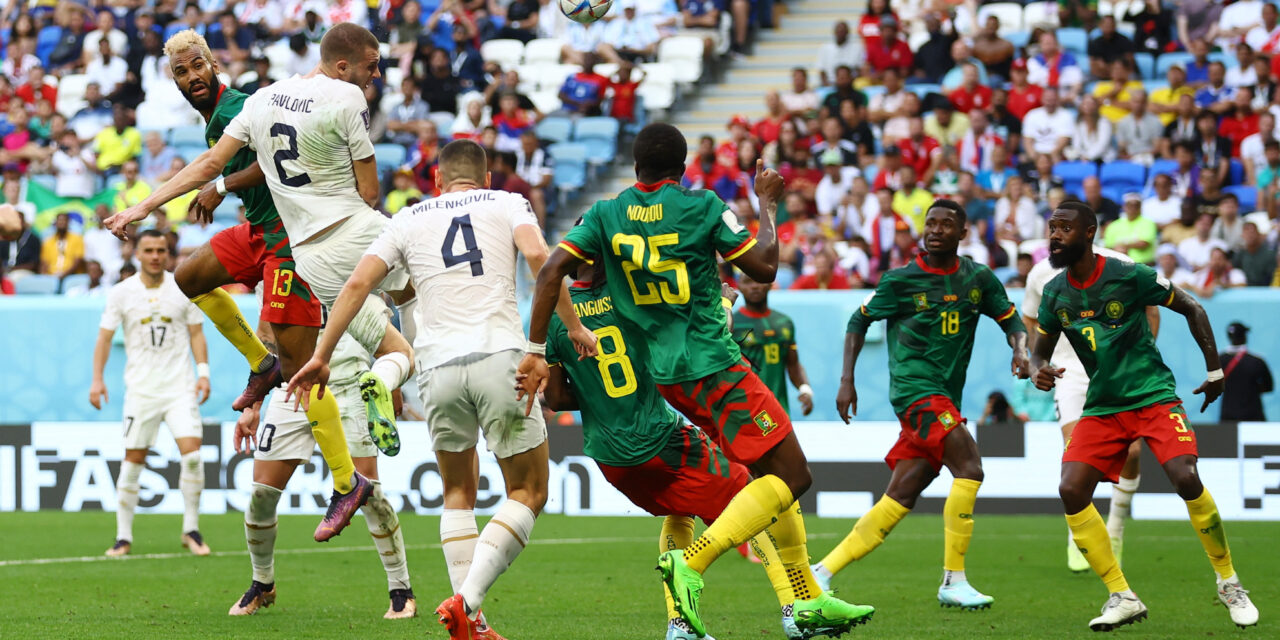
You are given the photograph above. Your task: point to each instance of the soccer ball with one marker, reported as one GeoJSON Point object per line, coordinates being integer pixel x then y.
{"type": "Point", "coordinates": [585, 11]}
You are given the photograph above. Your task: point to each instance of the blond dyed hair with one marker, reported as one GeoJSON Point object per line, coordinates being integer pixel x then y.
{"type": "Point", "coordinates": [183, 41]}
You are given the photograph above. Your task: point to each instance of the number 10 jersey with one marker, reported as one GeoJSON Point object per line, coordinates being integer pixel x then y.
{"type": "Point", "coordinates": [460, 251]}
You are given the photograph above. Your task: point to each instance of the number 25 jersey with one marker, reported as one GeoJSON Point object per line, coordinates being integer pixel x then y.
{"type": "Point", "coordinates": [659, 245]}
{"type": "Point", "coordinates": [460, 252]}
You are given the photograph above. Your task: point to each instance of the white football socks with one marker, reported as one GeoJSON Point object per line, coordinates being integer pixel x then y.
{"type": "Point", "coordinates": [1121, 501]}
{"type": "Point", "coordinates": [503, 538]}
{"type": "Point", "coordinates": [127, 498]}
{"type": "Point", "coordinates": [260, 531]}
{"type": "Point", "coordinates": [393, 369]}
{"type": "Point", "coordinates": [191, 482]}
{"type": "Point", "coordinates": [384, 526]}
{"type": "Point", "coordinates": [458, 535]}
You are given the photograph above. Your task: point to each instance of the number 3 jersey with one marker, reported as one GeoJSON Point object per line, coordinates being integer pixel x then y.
{"type": "Point", "coordinates": [1105, 320]}
{"type": "Point", "coordinates": [625, 421]}
{"type": "Point", "coordinates": [157, 337]}
{"type": "Point", "coordinates": [932, 317]}
{"type": "Point", "coordinates": [659, 245]}
{"type": "Point", "coordinates": [460, 252]}
{"type": "Point", "coordinates": [307, 132]}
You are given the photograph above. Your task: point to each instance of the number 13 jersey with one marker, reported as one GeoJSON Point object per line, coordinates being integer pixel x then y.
{"type": "Point", "coordinates": [659, 245]}
{"type": "Point", "coordinates": [307, 132]}
{"type": "Point", "coordinates": [460, 251]}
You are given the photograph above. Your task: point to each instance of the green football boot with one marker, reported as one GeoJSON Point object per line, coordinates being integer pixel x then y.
{"type": "Point", "coordinates": [685, 585]}
{"type": "Point", "coordinates": [380, 412]}
{"type": "Point", "coordinates": [829, 615]}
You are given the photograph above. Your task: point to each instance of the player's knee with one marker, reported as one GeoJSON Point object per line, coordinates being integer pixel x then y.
{"type": "Point", "coordinates": [1074, 497]}
{"type": "Point", "coordinates": [1186, 481]}
{"type": "Point", "coordinates": [799, 480]}
{"type": "Point", "coordinates": [970, 470]}
{"type": "Point", "coordinates": [533, 496]}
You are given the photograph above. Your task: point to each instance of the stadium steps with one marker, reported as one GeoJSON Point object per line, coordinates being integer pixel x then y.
{"type": "Point", "coordinates": [737, 87]}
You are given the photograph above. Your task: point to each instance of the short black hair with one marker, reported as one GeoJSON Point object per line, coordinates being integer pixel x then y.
{"type": "Point", "coordinates": [660, 151]}
{"type": "Point", "coordinates": [152, 233]}
{"type": "Point", "coordinates": [1083, 211]}
{"type": "Point", "coordinates": [1230, 196]}
{"type": "Point", "coordinates": [952, 206]}
{"type": "Point", "coordinates": [1186, 145]}
{"type": "Point", "coordinates": [1271, 144]}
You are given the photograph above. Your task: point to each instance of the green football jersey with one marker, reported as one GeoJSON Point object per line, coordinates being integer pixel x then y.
{"type": "Point", "coordinates": [1105, 320]}
{"type": "Point", "coordinates": [765, 342]}
{"type": "Point", "coordinates": [932, 317]}
{"type": "Point", "coordinates": [625, 421]}
{"type": "Point", "coordinates": [659, 245]}
{"type": "Point", "coordinates": [259, 209]}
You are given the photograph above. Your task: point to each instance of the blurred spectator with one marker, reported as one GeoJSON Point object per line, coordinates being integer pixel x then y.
{"type": "Point", "coordinates": [1153, 26]}
{"type": "Point", "coordinates": [889, 52]}
{"type": "Point", "coordinates": [1198, 67]}
{"type": "Point", "coordinates": [891, 103]}
{"type": "Point", "coordinates": [522, 21]}
{"type": "Point", "coordinates": [1241, 122]}
{"type": "Point", "coordinates": [37, 87]}
{"type": "Point", "coordinates": [465, 59]}
{"type": "Point", "coordinates": [1169, 265]}
{"type": "Point", "coordinates": [424, 155]}
{"type": "Point", "coordinates": [1218, 273]}
{"type": "Point", "coordinates": [73, 168]}
{"type": "Point", "coordinates": [22, 256]}
{"type": "Point", "coordinates": [623, 87]}
{"type": "Point", "coordinates": [911, 201]}
{"type": "Point", "coordinates": [407, 117]}
{"type": "Point", "coordinates": [1247, 375]}
{"type": "Point", "coordinates": [19, 145]}
{"type": "Point", "coordinates": [842, 51]}
{"type": "Point", "coordinates": [996, 53]}
{"type": "Point", "coordinates": [581, 40]}
{"type": "Point", "coordinates": [946, 126]}
{"type": "Point", "coordinates": [95, 116]}
{"type": "Point", "coordinates": [1047, 130]}
{"type": "Point", "coordinates": [837, 181]}
{"type": "Point", "coordinates": [766, 129]}
{"type": "Point", "coordinates": [1116, 94]}
{"type": "Point", "coordinates": [103, 247]}
{"type": "Point", "coordinates": [231, 45]}
{"type": "Point", "coordinates": [844, 90]}
{"type": "Point", "coordinates": [998, 413]}
{"type": "Point", "coordinates": [155, 158]}
{"type": "Point", "coordinates": [1204, 203]}
{"type": "Point", "coordinates": [824, 275]}
{"type": "Point", "coordinates": [1133, 234]}
{"type": "Point", "coordinates": [1265, 37]}
{"type": "Point", "coordinates": [869, 23]}
{"type": "Point", "coordinates": [1106, 209]}
{"type": "Point", "coordinates": [1254, 257]}
{"type": "Point", "coordinates": [407, 33]}
{"type": "Point", "coordinates": [1139, 132]}
{"type": "Point", "coordinates": [880, 228]}
{"type": "Point", "coordinates": [132, 190]}
{"type": "Point", "coordinates": [1216, 96]}
{"type": "Point", "coordinates": [905, 247]}
{"type": "Point", "coordinates": [504, 83]}
{"type": "Point", "coordinates": [971, 94]}
{"type": "Point", "coordinates": [583, 92]}
{"type": "Point", "coordinates": [986, 148]}
{"type": "Point", "coordinates": [1243, 74]}
{"type": "Point", "coordinates": [18, 64]}
{"type": "Point", "coordinates": [1054, 68]}
{"type": "Point", "coordinates": [888, 175]}
{"type": "Point", "coordinates": [857, 131]}
{"type": "Point", "coordinates": [921, 153]}
{"type": "Point", "coordinates": [1196, 249]}
{"type": "Point", "coordinates": [127, 271]}
{"type": "Point", "coordinates": [707, 172]}
{"type": "Point", "coordinates": [303, 56]}
{"type": "Point", "coordinates": [536, 167]}
{"type": "Point", "coordinates": [1198, 20]}
{"type": "Point", "coordinates": [108, 70]}
{"type": "Point", "coordinates": [63, 251]}
{"type": "Point", "coordinates": [356, 11]}
{"type": "Point", "coordinates": [403, 192]}
{"type": "Point", "coordinates": [800, 101]}
{"type": "Point", "coordinates": [1252, 152]}
{"type": "Point", "coordinates": [1107, 48]}
{"type": "Point", "coordinates": [933, 58]}
{"type": "Point", "coordinates": [1236, 20]}
{"type": "Point", "coordinates": [629, 37]}
{"type": "Point", "coordinates": [441, 87]}
{"type": "Point", "coordinates": [1269, 176]}
{"type": "Point", "coordinates": [67, 53]}
{"type": "Point", "coordinates": [195, 233]}
{"type": "Point", "coordinates": [1182, 130]}
{"type": "Point", "coordinates": [1091, 137]}
{"type": "Point", "coordinates": [1213, 152]}
{"type": "Point", "coordinates": [95, 286]}
{"type": "Point", "coordinates": [961, 55]}
{"type": "Point", "coordinates": [830, 138]}
{"type": "Point", "coordinates": [1165, 100]}
{"type": "Point", "coordinates": [1016, 217]}
{"type": "Point", "coordinates": [117, 143]}
{"type": "Point", "coordinates": [1024, 263]}
{"type": "Point", "coordinates": [1164, 207]}
{"type": "Point", "coordinates": [1229, 226]}
{"type": "Point", "coordinates": [472, 118]}
{"type": "Point", "coordinates": [855, 209]}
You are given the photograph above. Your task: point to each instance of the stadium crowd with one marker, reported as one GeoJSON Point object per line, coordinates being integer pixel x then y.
{"type": "Point", "coordinates": [91, 121]}
{"type": "Point", "coordinates": [1168, 134]}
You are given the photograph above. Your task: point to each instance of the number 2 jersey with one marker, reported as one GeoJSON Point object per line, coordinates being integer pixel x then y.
{"type": "Point", "coordinates": [625, 421]}
{"type": "Point", "coordinates": [460, 251]}
{"type": "Point", "coordinates": [157, 336]}
{"type": "Point", "coordinates": [659, 245]}
{"type": "Point", "coordinates": [1105, 320]}
{"type": "Point", "coordinates": [766, 341]}
{"type": "Point", "coordinates": [932, 317]}
{"type": "Point", "coordinates": [307, 132]}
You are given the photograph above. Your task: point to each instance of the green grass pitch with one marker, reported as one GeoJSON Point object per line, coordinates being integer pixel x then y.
{"type": "Point", "coordinates": [593, 578]}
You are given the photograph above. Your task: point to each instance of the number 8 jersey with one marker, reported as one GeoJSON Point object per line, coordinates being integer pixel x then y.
{"type": "Point", "coordinates": [307, 132]}
{"type": "Point", "coordinates": [659, 245]}
{"type": "Point", "coordinates": [460, 251]}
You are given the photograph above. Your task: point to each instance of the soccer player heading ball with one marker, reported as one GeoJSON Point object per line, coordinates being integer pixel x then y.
{"type": "Point", "coordinates": [1100, 305]}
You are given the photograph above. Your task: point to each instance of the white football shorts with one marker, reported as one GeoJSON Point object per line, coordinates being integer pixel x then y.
{"type": "Point", "coordinates": [142, 418]}
{"type": "Point", "coordinates": [476, 394]}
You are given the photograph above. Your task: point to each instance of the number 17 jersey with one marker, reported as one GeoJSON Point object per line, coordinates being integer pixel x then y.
{"type": "Point", "coordinates": [659, 245]}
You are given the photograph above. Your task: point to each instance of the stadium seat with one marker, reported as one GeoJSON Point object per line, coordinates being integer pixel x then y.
{"type": "Point", "coordinates": [1073, 175]}
{"type": "Point", "coordinates": [443, 121]}
{"type": "Point", "coordinates": [392, 78]}
{"type": "Point", "coordinates": [606, 69]}
{"type": "Point", "coordinates": [642, 118]}
{"type": "Point", "coordinates": [657, 95]}
{"type": "Point", "coordinates": [1167, 167]}
{"type": "Point", "coordinates": [187, 136]}
{"type": "Point", "coordinates": [1128, 176]}
{"type": "Point", "coordinates": [551, 77]}
{"type": "Point", "coordinates": [542, 51]}
{"type": "Point", "coordinates": [1247, 195]}
{"type": "Point", "coordinates": [1167, 60]}
{"type": "Point", "coordinates": [923, 90]}
{"type": "Point", "coordinates": [1228, 60]}
{"type": "Point", "coordinates": [71, 94]}
{"type": "Point", "coordinates": [1018, 39]}
{"type": "Point", "coordinates": [36, 285]}
{"type": "Point", "coordinates": [571, 167]}
{"type": "Point", "coordinates": [1114, 194]}
{"type": "Point", "coordinates": [1009, 14]}
{"type": "Point", "coordinates": [1074, 40]}
{"type": "Point", "coordinates": [1146, 65]}
{"type": "Point", "coordinates": [507, 53]}
{"type": "Point", "coordinates": [545, 101]}
{"type": "Point", "coordinates": [555, 129]}
{"type": "Point", "coordinates": [388, 157]}
{"type": "Point", "coordinates": [684, 53]}
{"type": "Point", "coordinates": [189, 152]}
{"type": "Point", "coordinates": [1043, 14]}
{"type": "Point", "coordinates": [74, 281]}
{"type": "Point", "coordinates": [228, 211]}
{"type": "Point", "coordinates": [1153, 85]}
{"type": "Point", "coordinates": [1235, 172]}
{"type": "Point", "coordinates": [600, 135]}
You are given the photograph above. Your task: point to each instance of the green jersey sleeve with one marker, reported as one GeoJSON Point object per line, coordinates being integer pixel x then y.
{"type": "Point", "coordinates": [880, 305]}
{"type": "Point", "coordinates": [1151, 288]}
{"type": "Point", "coordinates": [995, 303]}
{"type": "Point", "coordinates": [586, 239]}
{"type": "Point", "coordinates": [1048, 320]}
{"type": "Point", "coordinates": [556, 334]}
{"type": "Point", "coordinates": [731, 237]}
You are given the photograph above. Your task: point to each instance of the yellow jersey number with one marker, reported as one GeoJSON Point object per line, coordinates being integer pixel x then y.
{"type": "Point", "coordinates": [617, 355]}
{"type": "Point", "coordinates": [772, 354]}
{"type": "Point", "coordinates": [950, 323]}
{"type": "Point", "coordinates": [634, 259]}
{"type": "Point", "coordinates": [1087, 332]}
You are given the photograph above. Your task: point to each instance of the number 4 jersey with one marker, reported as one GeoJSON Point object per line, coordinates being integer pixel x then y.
{"type": "Point", "coordinates": [659, 245]}
{"type": "Point", "coordinates": [460, 252]}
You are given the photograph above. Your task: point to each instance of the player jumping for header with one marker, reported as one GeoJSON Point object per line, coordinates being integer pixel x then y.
{"type": "Point", "coordinates": [1100, 305]}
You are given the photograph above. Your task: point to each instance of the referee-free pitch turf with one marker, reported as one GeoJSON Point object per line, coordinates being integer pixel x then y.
{"type": "Point", "coordinates": [594, 578]}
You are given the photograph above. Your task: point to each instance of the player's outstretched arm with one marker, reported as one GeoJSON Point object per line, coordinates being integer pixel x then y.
{"type": "Point", "coordinates": [532, 372]}
{"type": "Point", "coordinates": [760, 262]}
{"type": "Point", "coordinates": [368, 273]}
{"type": "Point", "coordinates": [200, 349]}
{"type": "Point", "coordinates": [211, 195]}
{"type": "Point", "coordinates": [847, 396]}
{"type": "Point", "coordinates": [101, 351]}
{"type": "Point", "coordinates": [529, 241]}
{"type": "Point", "coordinates": [1046, 374]}
{"type": "Point", "coordinates": [1202, 332]}
{"type": "Point", "coordinates": [201, 170]}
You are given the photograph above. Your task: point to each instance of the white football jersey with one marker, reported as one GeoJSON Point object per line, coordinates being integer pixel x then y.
{"type": "Point", "coordinates": [460, 252]}
{"type": "Point", "coordinates": [307, 132]}
{"type": "Point", "coordinates": [1063, 355]}
{"type": "Point", "coordinates": [157, 337]}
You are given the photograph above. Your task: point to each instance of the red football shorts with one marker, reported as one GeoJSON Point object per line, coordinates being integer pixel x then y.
{"type": "Point", "coordinates": [925, 424]}
{"type": "Point", "coordinates": [735, 408]}
{"type": "Point", "coordinates": [286, 299]}
{"type": "Point", "coordinates": [1102, 442]}
{"type": "Point", "coordinates": [688, 477]}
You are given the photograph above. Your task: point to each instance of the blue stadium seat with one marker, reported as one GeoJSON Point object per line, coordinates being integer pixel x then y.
{"type": "Point", "coordinates": [642, 118]}
{"type": "Point", "coordinates": [74, 281]}
{"type": "Point", "coordinates": [191, 136]}
{"type": "Point", "coordinates": [555, 129]}
{"type": "Point", "coordinates": [1128, 176]}
{"type": "Point", "coordinates": [389, 156]}
{"type": "Point", "coordinates": [923, 90]}
{"type": "Point", "coordinates": [1167, 60]}
{"type": "Point", "coordinates": [1235, 174]}
{"type": "Point", "coordinates": [1153, 85]}
{"type": "Point", "coordinates": [1228, 60]}
{"type": "Point", "coordinates": [36, 285]}
{"type": "Point", "coordinates": [1073, 175]}
{"type": "Point", "coordinates": [1146, 65]}
{"type": "Point", "coordinates": [1247, 195]}
{"type": "Point", "coordinates": [1115, 194]}
{"type": "Point", "coordinates": [1074, 40]}
{"type": "Point", "coordinates": [571, 166]}
{"type": "Point", "coordinates": [1167, 167]}
{"type": "Point", "coordinates": [1019, 39]}
{"type": "Point", "coordinates": [189, 152]}
{"type": "Point", "coordinates": [600, 135]}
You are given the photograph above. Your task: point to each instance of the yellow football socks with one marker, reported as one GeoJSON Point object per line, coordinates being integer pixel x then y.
{"type": "Point", "coordinates": [220, 308]}
{"type": "Point", "coordinates": [1208, 524]}
{"type": "Point", "coordinates": [754, 508]}
{"type": "Point", "coordinates": [1094, 542]}
{"type": "Point", "coordinates": [677, 533]}
{"type": "Point", "coordinates": [766, 549]}
{"type": "Point", "coordinates": [793, 551]}
{"type": "Point", "coordinates": [957, 522]}
{"type": "Point", "coordinates": [326, 428]}
{"type": "Point", "coordinates": [869, 532]}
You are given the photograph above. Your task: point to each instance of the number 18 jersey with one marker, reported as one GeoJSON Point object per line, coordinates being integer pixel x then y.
{"type": "Point", "coordinates": [659, 245]}
{"type": "Point", "coordinates": [307, 132]}
{"type": "Point", "coordinates": [460, 252]}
